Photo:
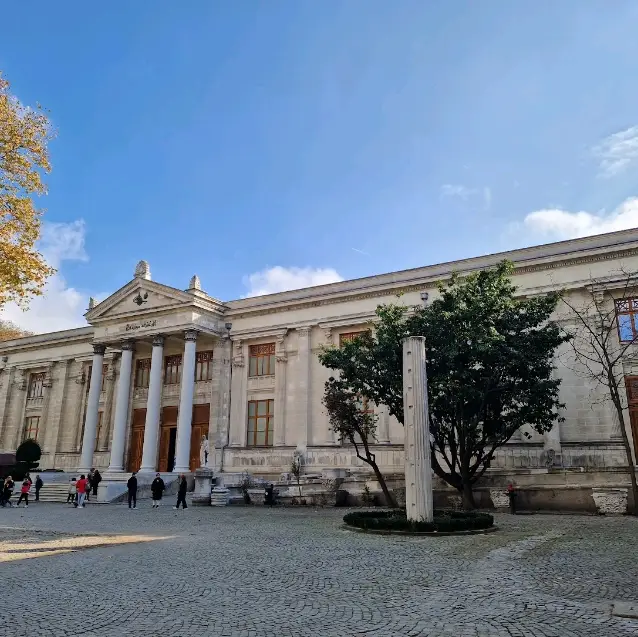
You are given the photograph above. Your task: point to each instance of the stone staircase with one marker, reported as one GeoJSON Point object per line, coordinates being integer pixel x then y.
{"type": "Point", "coordinates": [53, 492]}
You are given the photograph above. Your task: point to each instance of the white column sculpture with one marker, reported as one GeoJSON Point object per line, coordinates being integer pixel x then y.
{"type": "Point", "coordinates": [92, 407]}
{"type": "Point", "coordinates": [153, 404]}
{"type": "Point", "coordinates": [418, 464]}
{"type": "Point", "coordinates": [185, 413]}
{"type": "Point", "coordinates": [121, 407]}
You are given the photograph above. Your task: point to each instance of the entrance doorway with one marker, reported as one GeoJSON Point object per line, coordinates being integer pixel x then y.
{"type": "Point", "coordinates": [201, 418]}
{"type": "Point", "coordinates": [168, 438]}
{"type": "Point", "coordinates": [631, 384]}
{"type": "Point", "coordinates": [137, 440]}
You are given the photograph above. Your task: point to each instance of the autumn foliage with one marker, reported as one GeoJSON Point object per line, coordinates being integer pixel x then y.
{"type": "Point", "coordinates": [24, 157]}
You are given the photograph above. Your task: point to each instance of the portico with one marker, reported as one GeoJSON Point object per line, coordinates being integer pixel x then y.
{"type": "Point", "coordinates": [164, 340]}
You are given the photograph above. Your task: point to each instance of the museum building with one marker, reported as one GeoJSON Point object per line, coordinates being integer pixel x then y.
{"type": "Point", "coordinates": [156, 368]}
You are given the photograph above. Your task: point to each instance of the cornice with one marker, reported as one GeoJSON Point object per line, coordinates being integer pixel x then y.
{"type": "Point", "coordinates": [50, 339]}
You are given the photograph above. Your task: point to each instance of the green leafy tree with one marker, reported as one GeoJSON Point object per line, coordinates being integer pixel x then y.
{"type": "Point", "coordinates": [355, 425]}
{"type": "Point", "coordinates": [490, 363]}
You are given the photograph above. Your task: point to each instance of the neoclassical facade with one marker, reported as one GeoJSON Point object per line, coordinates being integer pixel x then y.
{"type": "Point", "coordinates": [156, 368]}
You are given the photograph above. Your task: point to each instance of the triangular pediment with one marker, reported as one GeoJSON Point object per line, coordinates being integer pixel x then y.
{"type": "Point", "coordinates": [139, 297]}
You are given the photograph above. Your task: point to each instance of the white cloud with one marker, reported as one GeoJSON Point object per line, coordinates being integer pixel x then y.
{"type": "Point", "coordinates": [466, 194]}
{"type": "Point", "coordinates": [616, 152]}
{"type": "Point", "coordinates": [557, 224]}
{"type": "Point", "coordinates": [280, 279]}
{"type": "Point", "coordinates": [61, 307]}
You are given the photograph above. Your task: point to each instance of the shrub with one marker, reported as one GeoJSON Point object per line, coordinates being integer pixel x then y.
{"type": "Point", "coordinates": [396, 520]}
{"type": "Point", "coordinates": [29, 452]}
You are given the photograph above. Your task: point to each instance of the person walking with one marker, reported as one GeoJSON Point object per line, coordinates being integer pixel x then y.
{"type": "Point", "coordinates": [81, 487]}
{"type": "Point", "coordinates": [38, 486]}
{"type": "Point", "coordinates": [7, 491]}
{"type": "Point", "coordinates": [87, 493]}
{"type": "Point", "coordinates": [96, 478]}
{"type": "Point", "coordinates": [157, 489]}
{"type": "Point", "coordinates": [181, 492]}
{"type": "Point", "coordinates": [24, 493]}
{"type": "Point", "coordinates": [72, 492]}
{"type": "Point", "coordinates": [132, 491]}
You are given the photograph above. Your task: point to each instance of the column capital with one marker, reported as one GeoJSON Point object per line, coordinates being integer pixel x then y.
{"type": "Point", "coordinates": [190, 335]}
{"type": "Point", "coordinates": [158, 340]}
{"type": "Point", "coordinates": [99, 349]}
{"type": "Point", "coordinates": [304, 331]}
{"type": "Point", "coordinates": [128, 345]}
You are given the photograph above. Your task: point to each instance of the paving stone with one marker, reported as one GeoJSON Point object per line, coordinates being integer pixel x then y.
{"type": "Point", "coordinates": [257, 572]}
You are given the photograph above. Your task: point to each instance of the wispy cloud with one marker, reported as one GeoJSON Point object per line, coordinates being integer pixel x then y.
{"type": "Point", "coordinates": [468, 195]}
{"type": "Point", "coordinates": [617, 152]}
{"type": "Point", "coordinates": [280, 279]}
{"type": "Point", "coordinates": [367, 254]}
{"type": "Point", "coordinates": [557, 224]}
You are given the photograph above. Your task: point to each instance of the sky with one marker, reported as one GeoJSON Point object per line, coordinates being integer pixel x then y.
{"type": "Point", "coordinates": [272, 145]}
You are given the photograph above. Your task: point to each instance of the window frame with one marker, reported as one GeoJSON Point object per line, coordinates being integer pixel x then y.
{"type": "Point", "coordinates": [203, 363]}
{"type": "Point", "coordinates": [36, 385]}
{"type": "Point", "coordinates": [28, 428]}
{"type": "Point", "coordinates": [253, 419]}
{"type": "Point", "coordinates": [174, 362]}
{"type": "Point", "coordinates": [629, 310]}
{"type": "Point", "coordinates": [347, 337]}
{"type": "Point", "coordinates": [261, 360]}
{"type": "Point", "coordinates": [142, 373]}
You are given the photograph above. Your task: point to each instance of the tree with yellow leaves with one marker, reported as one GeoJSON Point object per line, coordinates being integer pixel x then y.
{"type": "Point", "coordinates": [9, 331]}
{"type": "Point", "coordinates": [24, 135]}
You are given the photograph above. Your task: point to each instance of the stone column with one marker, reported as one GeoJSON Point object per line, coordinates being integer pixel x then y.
{"type": "Point", "coordinates": [6, 383]}
{"type": "Point", "coordinates": [106, 433]}
{"type": "Point", "coordinates": [185, 413]}
{"type": "Point", "coordinates": [153, 405]}
{"type": "Point", "coordinates": [280, 393]}
{"type": "Point", "coordinates": [418, 464]}
{"type": "Point", "coordinates": [118, 442]}
{"type": "Point", "coordinates": [92, 406]}
{"type": "Point", "coordinates": [54, 411]}
{"type": "Point", "coordinates": [223, 355]}
{"type": "Point", "coordinates": [304, 420]}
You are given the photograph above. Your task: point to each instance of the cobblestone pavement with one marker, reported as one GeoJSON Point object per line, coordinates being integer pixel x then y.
{"type": "Point", "coordinates": [255, 572]}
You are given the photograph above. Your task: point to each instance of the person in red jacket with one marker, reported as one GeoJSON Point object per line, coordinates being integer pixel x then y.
{"type": "Point", "coordinates": [24, 493]}
{"type": "Point", "coordinates": [81, 486]}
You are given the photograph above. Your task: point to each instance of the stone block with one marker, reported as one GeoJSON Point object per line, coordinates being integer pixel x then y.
{"type": "Point", "coordinates": [610, 501]}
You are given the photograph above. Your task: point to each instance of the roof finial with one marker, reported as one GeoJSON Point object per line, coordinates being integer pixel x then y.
{"type": "Point", "coordinates": [143, 270]}
{"type": "Point", "coordinates": [195, 283]}
{"type": "Point", "coordinates": [92, 303]}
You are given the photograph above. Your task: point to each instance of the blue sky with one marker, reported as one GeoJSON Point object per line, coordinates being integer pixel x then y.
{"type": "Point", "coordinates": [264, 145]}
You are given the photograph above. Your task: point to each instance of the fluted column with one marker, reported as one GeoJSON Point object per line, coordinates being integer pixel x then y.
{"type": "Point", "coordinates": [383, 425]}
{"type": "Point", "coordinates": [92, 406]}
{"type": "Point", "coordinates": [303, 396]}
{"type": "Point", "coordinates": [153, 404]}
{"type": "Point", "coordinates": [185, 413]}
{"type": "Point", "coordinates": [418, 464]}
{"type": "Point", "coordinates": [118, 442]}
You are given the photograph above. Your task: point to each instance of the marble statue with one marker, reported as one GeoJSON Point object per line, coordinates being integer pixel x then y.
{"type": "Point", "coordinates": [203, 452]}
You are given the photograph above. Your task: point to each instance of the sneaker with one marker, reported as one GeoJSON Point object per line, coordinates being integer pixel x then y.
{"type": "Point", "coordinates": [176, 508]}
{"type": "Point", "coordinates": [135, 507]}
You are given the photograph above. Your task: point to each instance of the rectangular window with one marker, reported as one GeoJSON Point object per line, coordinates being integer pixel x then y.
{"type": "Point", "coordinates": [261, 421]}
{"type": "Point", "coordinates": [36, 386]}
{"type": "Point", "coordinates": [627, 315]}
{"type": "Point", "coordinates": [31, 427]}
{"type": "Point", "coordinates": [204, 366]}
{"type": "Point", "coordinates": [346, 337]}
{"type": "Point", "coordinates": [262, 360]}
{"type": "Point", "coordinates": [173, 369]}
{"type": "Point", "coordinates": [142, 372]}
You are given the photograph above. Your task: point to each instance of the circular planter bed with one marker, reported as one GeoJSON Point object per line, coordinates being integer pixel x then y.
{"type": "Point", "coordinates": [445, 523]}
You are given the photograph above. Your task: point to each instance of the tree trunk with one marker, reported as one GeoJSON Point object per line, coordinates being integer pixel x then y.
{"type": "Point", "coordinates": [630, 462]}
{"type": "Point", "coordinates": [389, 497]}
{"type": "Point", "coordinates": [468, 496]}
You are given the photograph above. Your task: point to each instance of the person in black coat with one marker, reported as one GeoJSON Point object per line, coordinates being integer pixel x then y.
{"type": "Point", "coordinates": [95, 481]}
{"type": "Point", "coordinates": [157, 490]}
{"type": "Point", "coordinates": [132, 491]}
{"type": "Point", "coordinates": [181, 492]}
{"type": "Point", "coordinates": [38, 486]}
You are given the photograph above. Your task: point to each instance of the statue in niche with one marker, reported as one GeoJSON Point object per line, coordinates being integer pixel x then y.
{"type": "Point", "coordinates": [204, 449]}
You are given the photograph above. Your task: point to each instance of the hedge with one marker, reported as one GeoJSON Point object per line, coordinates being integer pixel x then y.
{"type": "Point", "coordinates": [396, 520]}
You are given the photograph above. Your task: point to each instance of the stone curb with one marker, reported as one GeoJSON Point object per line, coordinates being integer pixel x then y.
{"type": "Point", "coordinates": [491, 529]}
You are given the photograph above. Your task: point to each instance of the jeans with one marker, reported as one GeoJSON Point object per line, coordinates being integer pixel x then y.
{"type": "Point", "coordinates": [132, 497]}
{"type": "Point", "coordinates": [81, 497]}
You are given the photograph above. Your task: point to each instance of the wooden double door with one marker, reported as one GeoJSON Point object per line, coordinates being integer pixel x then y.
{"type": "Point", "coordinates": [631, 384]}
{"type": "Point", "coordinates": [168, 437]}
